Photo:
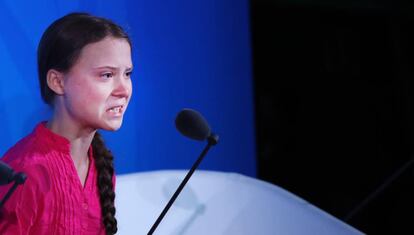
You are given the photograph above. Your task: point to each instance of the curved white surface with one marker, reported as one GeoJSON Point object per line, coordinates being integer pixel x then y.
{"type": "Point", "coordinates": [217, 203]}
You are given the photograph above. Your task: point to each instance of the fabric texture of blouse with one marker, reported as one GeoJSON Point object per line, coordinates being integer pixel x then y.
{"type": "Point", "coordinates": [52, 200]}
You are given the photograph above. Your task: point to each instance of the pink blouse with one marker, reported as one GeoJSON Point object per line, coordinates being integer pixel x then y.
{"type": "Point", "coordinates": [52, 200]}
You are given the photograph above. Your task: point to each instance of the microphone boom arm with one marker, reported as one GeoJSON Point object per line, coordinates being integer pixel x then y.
{"type": "Point", "coordinates": [212, 140]}
{"type": "Point", "coordinates": [18, 178]}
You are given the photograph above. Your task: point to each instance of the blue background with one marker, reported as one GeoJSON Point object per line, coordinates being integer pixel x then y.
{"type": "Point", "coordinates": [186, 54]}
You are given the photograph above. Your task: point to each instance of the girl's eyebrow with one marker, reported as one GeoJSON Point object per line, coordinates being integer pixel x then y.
{"type": "Point", "coordinates": [113, 68]}
{"type": "Point", "coordinates": [106, 67]}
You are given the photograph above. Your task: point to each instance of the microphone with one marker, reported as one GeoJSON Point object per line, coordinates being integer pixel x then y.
{"type": "Point", "coordinates": [8, 175]}
{"type": "Point", "coordinates": [191, 124]}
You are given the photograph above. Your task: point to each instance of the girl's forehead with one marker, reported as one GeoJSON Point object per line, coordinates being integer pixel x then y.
{"type": "Point", "coordinates": [110, 51]}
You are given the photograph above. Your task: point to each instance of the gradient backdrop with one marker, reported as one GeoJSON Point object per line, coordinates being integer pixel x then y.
{"type": "Point", "coordinates": [187, 54]}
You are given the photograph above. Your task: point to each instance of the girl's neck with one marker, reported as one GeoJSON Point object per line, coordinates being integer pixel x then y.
{"type": "Point", "coordinates": [80, 138]}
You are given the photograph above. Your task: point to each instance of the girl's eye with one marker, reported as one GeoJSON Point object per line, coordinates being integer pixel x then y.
{"type": "Point", "coordinates": [128, 74]}
{"type": "Point", "coordinates": [107, 75]}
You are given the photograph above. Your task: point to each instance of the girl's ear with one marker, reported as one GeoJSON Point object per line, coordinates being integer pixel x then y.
{"type": "Point", "coordinates": [55, 81]}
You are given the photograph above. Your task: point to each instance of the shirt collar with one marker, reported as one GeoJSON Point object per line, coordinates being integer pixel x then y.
{"type": "Point", "coordinates": [52, 139]}
{"type": "Point", "coordinates": [56, 141]}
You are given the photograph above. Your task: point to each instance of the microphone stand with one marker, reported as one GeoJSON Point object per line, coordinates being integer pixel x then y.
{"type": "Point", "coordinates": [18, 178]}
{"type": "Point", "coordinates": [378, 190]}
{"type": "Point", "coordinates": [211, 141]}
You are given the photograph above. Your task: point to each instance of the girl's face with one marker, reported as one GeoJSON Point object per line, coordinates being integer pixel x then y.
{"type": "Point", "coordinates": [98, 86]}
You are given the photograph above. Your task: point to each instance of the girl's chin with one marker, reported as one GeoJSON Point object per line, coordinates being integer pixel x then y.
{"type": "Point", "coordinates": [112, 125]}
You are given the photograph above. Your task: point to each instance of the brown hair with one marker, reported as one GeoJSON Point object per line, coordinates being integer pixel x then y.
{"type": "Point", "coordinates": [59, 48]}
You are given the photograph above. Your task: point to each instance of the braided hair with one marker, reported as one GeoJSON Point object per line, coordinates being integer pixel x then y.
{"type": "Point", "coordinates": [59, 49]}
{"type": "Point", "coordinates": [104, 163]}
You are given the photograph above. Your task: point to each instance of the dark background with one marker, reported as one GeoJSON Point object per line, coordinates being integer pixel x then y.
{"type": "Point", "coordinates": [334, 106]}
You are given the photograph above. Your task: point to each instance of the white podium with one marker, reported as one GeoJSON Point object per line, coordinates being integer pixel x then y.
{"type": "Point", "coordinates": [217, 203]}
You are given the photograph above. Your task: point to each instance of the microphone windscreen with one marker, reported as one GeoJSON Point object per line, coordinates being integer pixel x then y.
{"type": "Point", "coordinates": [192, 124]}
{"type": "Point", "coordinates": [6, 173]}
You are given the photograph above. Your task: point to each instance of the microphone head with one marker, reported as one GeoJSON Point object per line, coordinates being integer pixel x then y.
{"type": "Point", "coordinates": [192, 124]}
{"type": "Point", "coordinates": [6, 173]}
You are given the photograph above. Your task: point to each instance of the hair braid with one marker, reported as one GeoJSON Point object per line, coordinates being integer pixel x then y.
{"type": "Point", "coordinates": [104, 165]}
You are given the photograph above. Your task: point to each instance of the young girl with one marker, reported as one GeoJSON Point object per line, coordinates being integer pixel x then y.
{"type": "Point", "coordinates": [84, 66]}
